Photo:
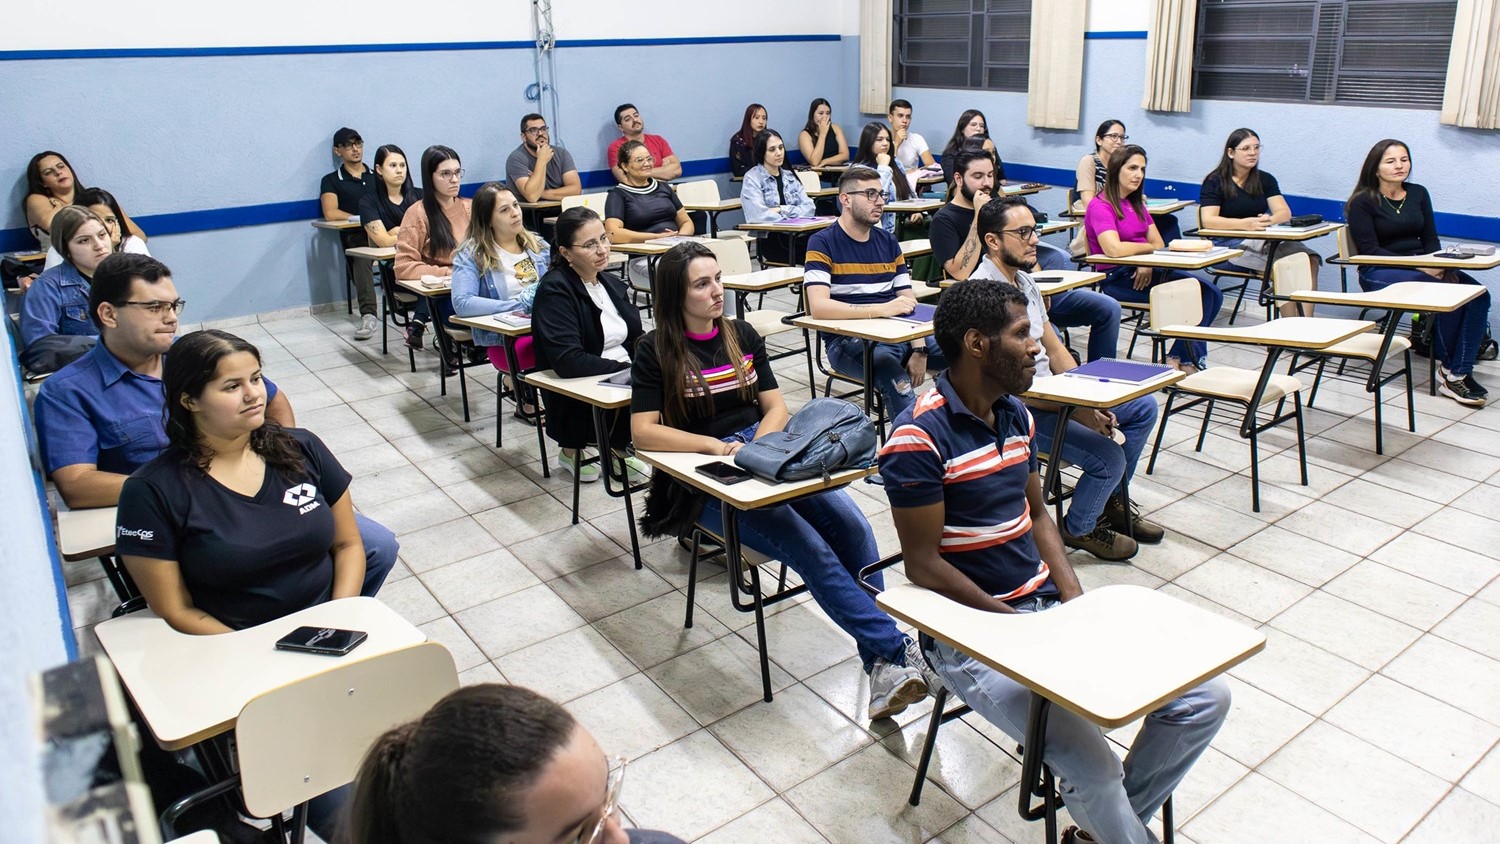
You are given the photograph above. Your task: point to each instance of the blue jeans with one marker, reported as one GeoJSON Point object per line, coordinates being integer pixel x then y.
{"type": "Point", "coordinates": [1459, 333]}
{"type": "Point", "coordinates": [1110, 801]}
{"type": "Point", "coordinates": [1078, 308]}
{"type": "Point", "coordinates": [1049, 257]}
{"type": "Point", "coordinates": [380, 553]}
{"type": "Point", "coordinates": [1120, 283]}
{"type": "Point", "coordinates": [1104, 462]}
{"type": "Point", "coordinates": [846, 354]}
{"type": "Point", "coordinates": [826, 539]}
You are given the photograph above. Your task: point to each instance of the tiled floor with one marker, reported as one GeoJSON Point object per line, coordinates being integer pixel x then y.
{"type": "Point", "coordinates": [1373, 714]}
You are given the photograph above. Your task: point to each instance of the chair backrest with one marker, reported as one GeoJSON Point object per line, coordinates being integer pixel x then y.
{"type": "Point", "coordinates": [809, 180]}
{"type": "Point", "coordinates": [591, 201]}
{"type": "Point", "coordinates": [1345, 247]}
{"type": "Point", "coordinates": [701, 192]}
{"type": "Point", "coordinates": [1176, 303]}
{"type": "Point", "coordinates": [1291, 273]}
{"type": "Point", "coordinates": [302, 740]}
{"type": "Point", "coordinates": [733, 255]}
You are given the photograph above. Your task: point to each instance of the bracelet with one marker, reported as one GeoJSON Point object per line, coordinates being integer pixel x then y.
{"type": "Point", "coordinates": [922, 352]}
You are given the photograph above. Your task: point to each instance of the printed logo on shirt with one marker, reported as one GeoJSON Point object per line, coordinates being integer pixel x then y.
{"type": "Point", "coordinates": [303, 497]}
{"type": "Point", "coordinates": [138, 533]}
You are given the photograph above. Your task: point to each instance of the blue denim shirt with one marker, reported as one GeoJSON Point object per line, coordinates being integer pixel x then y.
{"type": "Point", "coordinates": [482, 295]}
{"type": "Point", "coordinates": [56, 303]}
{"type": "Point", "coordinates": [758, 196]}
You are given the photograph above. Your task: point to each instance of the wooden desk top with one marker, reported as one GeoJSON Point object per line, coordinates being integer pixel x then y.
{"type": "Point", "coordinates": [814, 225]}
{"type": "Point", "coordinates": [1275, 232]}
{"type": "Point", "coordinates": [760, 280]}
{"type": "Point", "coordinates": [1478, 262]}
{"type": "Point", "coordinates": [916, 248]}
{"type": "Point", "coordinates": [745, 495]}
{"type": "Point", "coordinates": [934, 179]}
{"type": "Point", "coordinates": [1050, 282]}
{"type": "Point", "coordinates": [542, 205]}
{"type": "Point", "coordinates": [1167, 206]}
{"type": "Point", "coordinates": [1111, 655]}
{"type": "Point", "coordinates": [721, 205]}
{"type": "Point", "coordinates": [372, 253]}
{"type": "Point", "coordinates": [82, 534]}
{"type": "Point", "coordinates": [1425, 296]}
{"type": "Point", "coordinates": [649, 247]}
{"type": "Point", "coordinates": [819, 193]}
{"type": "Point", "coordinates": [880, 330]}
{"type": "Point", "coordinates": [416, 286]}
{"type": "Point", "coordinates": [336, 225]}
{"type": "Point", "coordinates": [1079, 391]}
{"type": "Point", "coordinates": [1055, 226]}
{"type": "Point", "coordinates": [489, 323]}
{"type": "Point", "coordinates": [586, 389]}
{"type": "Point", "coordinates": [906, 206]}
{"type": "Point", "coordinates": [1286, 332]}
{"type": "Point", "coordinates": [1026, 189]}
{"type": "Point", "coordinates": [28, 257]}
{"type": "Point", "coordinates": [1175, 261]}
{"type": "Point", "coordinates": [190, 688]}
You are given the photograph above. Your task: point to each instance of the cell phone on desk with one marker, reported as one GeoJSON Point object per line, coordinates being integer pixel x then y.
{"type": "Point", "coordinates": [724, 473]}
{"type": "Point", "coordinates": [327, 641]}
{"type": "Point", "coordinates": [619, 379]}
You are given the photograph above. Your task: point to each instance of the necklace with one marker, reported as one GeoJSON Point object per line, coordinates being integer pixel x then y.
{"type": "Point", "coordinates": [1394, 204]}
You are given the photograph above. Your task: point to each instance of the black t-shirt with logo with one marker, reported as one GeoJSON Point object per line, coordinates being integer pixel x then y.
{"type": "Point", "coordinates": [245, 560]}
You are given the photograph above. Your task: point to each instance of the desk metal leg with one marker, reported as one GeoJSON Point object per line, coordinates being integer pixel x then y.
{"type": "Point", "coordinates": [1036, 778]}
{"type": "Point", "coordinates": [1052, 483]}
{"type": "Point", "coordinates": [736, 568]}
{"type": "Point", "coordinates": [608, 462]}
{"type": "Point", "coordinates": [1267, 287]}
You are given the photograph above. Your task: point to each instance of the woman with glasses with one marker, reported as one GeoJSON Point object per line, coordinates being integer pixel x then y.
{"type": "Point", "coordinates": [429, 234]}
{"type": "Point", "coordinates": [770, 193]}
{"type": "Point", "coordinates": [742, 143]}
{"type": "Point", "coordinates": [1093, 167]}
{"type": "Point", "coordinates": [1239, 195]}
{"type": "Point", "coordinates": [103, 203]}
{"type": "Point", "coordinates": [491, 762]}
{"type": "Point", "coordinates": [1117, 225]}
{"type": "Point", "coordinates": [55, 324]}
{"type": "Point", "coordinates": [51, 185]}
{"type": "Point", "coordinates": [582, 323]}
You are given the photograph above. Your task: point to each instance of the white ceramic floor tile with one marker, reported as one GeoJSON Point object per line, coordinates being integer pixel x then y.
{"type": "Point", "coordinates": [568, 665]}
{"type": "Point", "coordinates": [1396, 594]}
{"type": "Point", "coordinates": [444, 543]}
{"type": "Point", "coordinates": [838, 801]}
{"type": "Point", "coordinates": [1484, 779]}
{"type": "Point", "coordinates": [773, 820]}
{"type": "Point", "coordinates": [718, 679]}
{"type": "Point", "coordinates": [1446, 565]}
{"type": "Point", "coordinates": [517, 620]}
{"type": "Point", "coordinates": [471, 582]}
{"type": "Point", "coordinates": [632, 717]}
{"type": "Point", "coordinates": [652, 633]}
{"type": "Point", "coordinates": [1245, 815]}
{"type": "Point", "coordinates": [1345, 629]}
{"type": "Point", "coordinates": [1244, 587]}
{"type": "Point", "coordinates": [1420, 729]}
{"type": "Point", "coordinates": [696, 786]}
{"type": "Point", "coordinates": [792, 738]}
{"type": "Point", "coordinates": [1475, 625]}
{"type": "Point", "coordinates": [1303, 675]}
{"type": "Point", "coordinates": [1258, 725]}
{"type": "Point", "coordinates": [1451, 673]}
{"type": "Point", "coordinates": [1460, 817]}
{"type": "Point", "coordinates": [965, 763]}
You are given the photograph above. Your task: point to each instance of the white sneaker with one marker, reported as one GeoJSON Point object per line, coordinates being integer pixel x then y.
{"type": "Point", "coordinates": [367, 325]}
{"type": "Point", "coordinates": [587, 473]}
{"type": "Point", "coordinates": [893, 688]}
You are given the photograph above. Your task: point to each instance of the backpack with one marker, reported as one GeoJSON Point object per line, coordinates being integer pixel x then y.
{"type": "Point", "coordinates": [827, 435]}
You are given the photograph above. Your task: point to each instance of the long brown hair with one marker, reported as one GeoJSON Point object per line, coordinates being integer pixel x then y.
{"type": "Point", "coordinates": [481, 235]}
{"type": "Point", "coordinates": [1368, 185]}
{"type": "Point", "coordinates": [1137, 197]}
{"type": "Point", "coordinates": [456, 775]}
{"type": "Point", "coordinates": [66, 223]}
{"type": "Point", "coordinates": [186, 372]}
{"type": "Point", "coordinates": [679, 369]}
{"type": "Point", "coordinates": [1225, 170]}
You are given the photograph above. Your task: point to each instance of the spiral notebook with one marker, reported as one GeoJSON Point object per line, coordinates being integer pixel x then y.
{"type": "Point", "coordinates": [1123, 371]}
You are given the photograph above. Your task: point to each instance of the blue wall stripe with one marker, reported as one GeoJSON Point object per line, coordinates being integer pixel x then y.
{"type": "Point", "coordinates": [418, 47]}
{"type": "Point", "coordinates": [1452, 226]}
{"type": "Point", "coordinates": [1119, 35]}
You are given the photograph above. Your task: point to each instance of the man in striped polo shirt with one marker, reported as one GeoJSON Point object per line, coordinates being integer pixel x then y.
{"type": "Point", "coordinates": [854, 270]}
{"type": "Point", "coordinates": [960, 471]}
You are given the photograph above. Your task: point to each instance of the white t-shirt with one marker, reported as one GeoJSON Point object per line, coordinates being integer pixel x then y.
{"type": "Point", "coordinates": [519, 272]}
{"type": "Point", "coordinates": [132, 244]}
{"type": "Point", "coordinates": [1035, 310]}
{"type": "Point", "coordinates": [610, 321]}
{"type": "Point", "coordinates": [909, 154]}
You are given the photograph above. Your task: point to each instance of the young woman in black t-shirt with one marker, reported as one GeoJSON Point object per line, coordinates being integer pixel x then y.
{"type": "Point", "coordinates": [1239, 196]}
{"type": "Point", "coordinates": [240, 521]}
{"type": "Point", "coordinates": [701, 383]}
{"type": "Point", "coordinates": [383, 207]}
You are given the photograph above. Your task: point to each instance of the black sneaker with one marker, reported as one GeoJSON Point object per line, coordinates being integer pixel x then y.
{"type": "Point", "coordinates": [1488, 350]}
{"type": "Point", "coordinates": [414, 332]}
{"type": "Point", "coordinates": [1458, 389]}
{"type": "Point", "coordinates": [1103, 543]}
{"type": "Point", "coordinates": [1475, 387]}
{"type": "Point", "coordinates": [1144, 530]}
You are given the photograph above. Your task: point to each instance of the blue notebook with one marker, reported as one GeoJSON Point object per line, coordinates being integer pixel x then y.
{"type": "Point", "coordinates": [923, 313]}
{"type": "Point", "coordinates": [1124, 371]}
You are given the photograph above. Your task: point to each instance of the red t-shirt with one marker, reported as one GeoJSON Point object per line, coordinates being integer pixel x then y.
{"type": "Point", "coordinates": [655, 144]}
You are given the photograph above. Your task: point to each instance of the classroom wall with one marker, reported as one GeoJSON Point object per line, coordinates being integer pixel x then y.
{"type": "Point", "coordinates": [222, 134]}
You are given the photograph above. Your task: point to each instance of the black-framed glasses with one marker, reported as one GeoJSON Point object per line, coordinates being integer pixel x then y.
{"type": "Point", "coordinates": [536, 130]}
{"type": "Point", "coordinates": [159, 307]}
{"type": "Point", "coordinates": [1024, 232]}
{"type": "Point", "coordinates": [1116, 136]}
{"type": "Point", "coordinates": [871, 194]}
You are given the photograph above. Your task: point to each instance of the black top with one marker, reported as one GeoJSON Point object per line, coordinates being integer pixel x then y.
{"type": "Point", "coordinates": [649, 209]}
{"type": "Point", "coordinates": [1242, 205]}
{"type": "Point", "coordinates": [947, 165]}
{"type": "Point", "coordinates": [349, 189]}
{"type": "Point", "coordinates": [1379, 226]}
{"type": "Point", "coordinates": [245, 560]}
{"type": "Point", "coordinates": [741, 156]}
{"type": "Point", "coordinates": [376, 205]}
{"type": "Point", "coordinates": [567, 335]}
{"type": "Point", "coordinates": [729, 413]}
{"type": "Point", "coordinates": [948, 231]}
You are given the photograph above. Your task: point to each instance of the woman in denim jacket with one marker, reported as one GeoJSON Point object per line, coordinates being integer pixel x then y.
{"type": "Point", "coordinates": [771, 192]}
{"type": "Point", "coordinates": [55, 323]}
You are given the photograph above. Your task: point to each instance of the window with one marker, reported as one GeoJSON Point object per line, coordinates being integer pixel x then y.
{"type": "Point", "coordinates": [1354, 52]}
{"type": "Point", "coordinates": [979, 44]}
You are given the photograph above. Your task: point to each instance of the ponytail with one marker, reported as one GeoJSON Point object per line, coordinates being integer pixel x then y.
{"type": "Point", "coordinates": [376, 805]}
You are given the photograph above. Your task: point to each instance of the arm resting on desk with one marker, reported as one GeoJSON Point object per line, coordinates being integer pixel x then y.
{"type": "Point", "coordinates": [821, 305]}
{"type": "Point", "coordinates": [83, 485]}
{"type": "Point", "coordinates": [329, 203]}
{"type": "Point", "coordinates": [160, 581]}
{"type": "Point", "coordinates": [1111, 244]}
{"type": "Point", "coordinates": [348, 551]}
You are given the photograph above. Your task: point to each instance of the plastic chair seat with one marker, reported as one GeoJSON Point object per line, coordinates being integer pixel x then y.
{"type": "Point", "coordinates": [1366, 347]}
{"type": "Point", "coordinates": [768, 322]}
{"type": "Point", "coordinates": [1228, 382]}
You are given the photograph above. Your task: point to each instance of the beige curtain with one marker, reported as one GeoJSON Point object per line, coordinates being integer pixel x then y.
{"type": "Point", "coordinates": [1169, 56]}
{"type": "Point", "coordinates": [1471, 96]}
{"type": "Point", "coordinates": [1055, 81]}
{"type": "Point", "coordinates": [876, 18]}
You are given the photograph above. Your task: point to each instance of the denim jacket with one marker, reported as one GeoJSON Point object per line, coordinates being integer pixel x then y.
{"type": "Point", "coordinates": [758, 196]}
{"type": "Point", "coordinates": [56, 303]}
{"type": "Point", "coordinates": [482, 295]}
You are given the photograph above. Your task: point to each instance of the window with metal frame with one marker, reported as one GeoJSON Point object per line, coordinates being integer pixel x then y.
{"type": "Point", "coordinates": [1349, 52]}
{"type": "Point", "coordinates": [977, 44]}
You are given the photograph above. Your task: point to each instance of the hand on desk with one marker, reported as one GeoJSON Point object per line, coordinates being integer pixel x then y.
{"type": "Point", "coordinates": [1259, 223]}
{"type": "Point", "coordinates": [730, 449]}
{"type": "Point", "coordinates": [899, 306]}
{"type": "Point", "coordinates": [664, 235]}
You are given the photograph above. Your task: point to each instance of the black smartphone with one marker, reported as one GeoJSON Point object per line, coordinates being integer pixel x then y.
{"type": "Point", "coordinates": [724, 473]}
{"type": "Point", "coordinates": [619, 379]}
{"type": "Point", "coordinates": [321, 640]}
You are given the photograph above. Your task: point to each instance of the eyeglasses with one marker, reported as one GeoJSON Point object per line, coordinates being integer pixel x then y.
{"type": "Point", "coordinates": [1024, 232]}
{"type": "Point", "coordinates": [1255, 148]}
{"type": "Point", "coordinates": [536, 130]}
{"type": "Point", "coordinates": [352, 144]}
{"type": "Point", "coordinates": [872, 194]}
{"type": "Point", "coordinates": [636, 162]}
{"type": "Point", "coordinates": [611, 801]}
{"type": "Point", "coordinates": [600, 242]}
{"type": "Point", "coordinates": [449, 174]}
{"type": "Point", "coordinates": [159, 308]}
{"type": "Point", "coordinates": [1116, 136]}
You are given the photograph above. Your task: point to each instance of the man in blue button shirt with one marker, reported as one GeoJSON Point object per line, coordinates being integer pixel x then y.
{"type": "Point", "coordinates": [100, 417]}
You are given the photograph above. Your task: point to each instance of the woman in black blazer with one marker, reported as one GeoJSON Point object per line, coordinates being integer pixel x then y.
{"type": "Point", "coordinates": [582, 323]}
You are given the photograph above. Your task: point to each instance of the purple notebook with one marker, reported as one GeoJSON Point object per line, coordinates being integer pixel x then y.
{"type": "Point", "coordinates": [1124, 371]}
{"type": "Point", "coordinates": [923, 313]}
{"type": "Point", "coordinates": [797, 221]}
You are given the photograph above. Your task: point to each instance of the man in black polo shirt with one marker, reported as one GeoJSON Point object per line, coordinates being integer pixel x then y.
{"type": "Point", "coordinates": [960, 471]}
{"type": "Point", "coordinates": [339, 196]}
